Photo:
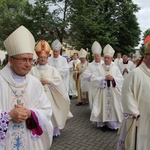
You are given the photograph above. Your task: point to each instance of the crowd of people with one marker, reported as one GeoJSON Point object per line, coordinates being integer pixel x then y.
{"type": "Point", "coordinates": [35, 99]}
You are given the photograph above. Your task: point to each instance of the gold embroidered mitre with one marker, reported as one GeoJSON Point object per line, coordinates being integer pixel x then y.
{"type": "Point", "coordinates": [42, 47]}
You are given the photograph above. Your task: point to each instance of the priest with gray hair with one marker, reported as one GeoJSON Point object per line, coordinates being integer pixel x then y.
{"type": "Point", "coordinates": [25, 110]}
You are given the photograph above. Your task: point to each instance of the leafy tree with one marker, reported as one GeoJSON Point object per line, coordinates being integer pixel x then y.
{"type": "Point", "coordinates": [46, 22]}
{"type": "Point", "coordinates": [49, 23]}
{"type": "Point", "coordinates": [106, 21]}
{"type": "Point", "coordinates": [39, 20]}
{"type": "Point", "coordinates": [129, 30]}
{"type": "Point", "coordinates": [60, 18]}
{"type": "Point", "coordinates": [80, 21]}
{"type": "Point", "coordinates": [11, 12]}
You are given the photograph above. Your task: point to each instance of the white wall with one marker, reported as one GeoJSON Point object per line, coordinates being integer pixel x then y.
{"type": "Point", "coordinates": [2, 54]}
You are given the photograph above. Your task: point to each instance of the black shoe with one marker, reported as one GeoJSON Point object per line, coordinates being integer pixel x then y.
{"type": "Point", "coordinates": [104, 128]}
{"type": "Point", "coordinates": [79, 104]}
{"type": "Point", "coordinates": [113, 130]}
{"type": "Point", "coordinates": [54, 136]}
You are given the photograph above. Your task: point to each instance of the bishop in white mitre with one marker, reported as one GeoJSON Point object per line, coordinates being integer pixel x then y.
{"type": "Point", "coordinates": [60, 63]}
{"type": "Point", "coordinates": [53, 86]}
{"type": "Point", "coordinates": [106, 84]}
{"type": "Point", "coordinates": [91, 69]}
{"type": "Point", "coordinates": [25, 122]}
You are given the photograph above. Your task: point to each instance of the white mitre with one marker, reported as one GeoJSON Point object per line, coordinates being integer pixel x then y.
{"type": "Point", "coordinates": [19, 42]}
{"type": "Point", "coordinates": [96, 48]}
{"type": "Point", "coordinates": [56, 45]}
{"type": "Point", "coordinates": [82, 53]}
{"type": "Point", "coordinates": [108, 51]}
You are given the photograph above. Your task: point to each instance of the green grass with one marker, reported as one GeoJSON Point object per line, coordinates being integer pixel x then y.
{"type": "Point", "coordinates": [0, 67]}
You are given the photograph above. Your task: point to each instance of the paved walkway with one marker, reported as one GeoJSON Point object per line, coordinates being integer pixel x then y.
{"type": "Point", "coordinates": [80, 134]}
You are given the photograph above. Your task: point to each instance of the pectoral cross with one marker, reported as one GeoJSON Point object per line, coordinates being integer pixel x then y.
{"type": "Point", "coordinates": [18, 103]}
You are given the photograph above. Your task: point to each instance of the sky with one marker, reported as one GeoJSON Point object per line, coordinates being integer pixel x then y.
{"type": "Point", "coordinates": [142, 15]}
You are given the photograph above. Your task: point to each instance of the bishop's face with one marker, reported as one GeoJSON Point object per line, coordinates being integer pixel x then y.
{"type": "Point", "coordinates": [107, 60]}
{"type": "Point", "coordinates": [56, 53]}
{"type": "Point", "coordinates": [21, 64]}
{"type": "Point", "coordinates": [42, 59]}
{"type": "Point", "coordinates": [82, 59]}
{"type": "Point", "coordinates": [97, 57]}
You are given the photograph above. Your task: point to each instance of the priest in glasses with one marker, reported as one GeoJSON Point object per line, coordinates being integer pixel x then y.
{"type": "Point", "coordinates": [25, 122]}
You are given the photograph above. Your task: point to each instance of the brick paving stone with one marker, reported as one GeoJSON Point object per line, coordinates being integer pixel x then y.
{"type": "Point", "coordinates": [80, 134]}
{"type": "Point", "coordinates": [111, 144]}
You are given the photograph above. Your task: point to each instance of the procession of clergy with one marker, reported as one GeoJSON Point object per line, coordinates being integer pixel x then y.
{"type": "Point", "coordinates": [98, 83]}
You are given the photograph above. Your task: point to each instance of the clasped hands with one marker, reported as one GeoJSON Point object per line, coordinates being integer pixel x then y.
{"type": "Point", "coordinates": [125, 70]}
{"type": "Point", "coordinates": [109, 77]}
{"type": "Point", "coordinates": [19, 114]}
{"type": "Point", "coordinates": [43, 81]}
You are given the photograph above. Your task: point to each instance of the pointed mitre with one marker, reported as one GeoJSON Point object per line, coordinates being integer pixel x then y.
{"type": "Point", "coordinates": [19, 42]}
{"type": "Point", "coordinates": [42, 47]}
{"type": "Point", "coordinates": [56, 45]}
{"type": "Point", "coordinates": [108, 51]}
{"type": "Point", "coordinates": [82, 53]}
{"type": "Point", "coordinates": [96, 48]}
{"type": "Point", "coordinates": [147, 48]}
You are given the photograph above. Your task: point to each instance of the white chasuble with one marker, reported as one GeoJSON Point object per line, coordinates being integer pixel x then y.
{"type": "Point", "coordinates": [29, 93]}
{"type": "Point", "coordinates": [62, 67]}
{"type": "Point", "coordinates": [91, 69]}
{"type": "Point", "coordinates": [136, 101]}
{"type": "Point", "coordinates": [107, 105]}
{"type": "Point", "coordinates": [56, 93]}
